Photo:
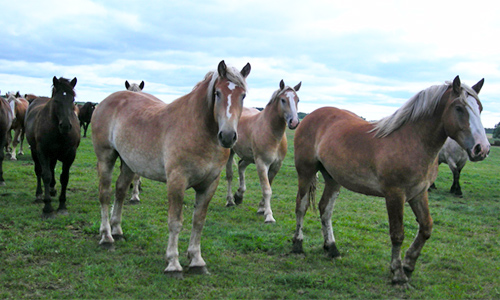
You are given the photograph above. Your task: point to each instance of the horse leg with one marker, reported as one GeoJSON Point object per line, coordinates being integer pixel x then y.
{"type": "Point", "coordinates": [455, 188]}
{"type": "Point", "coordinates": [2, 156]}
{"type": "Point", "coordinates": [326, 205]}
{"type": "Point", "coordinates": [122, 183]}
{"type": "Point", "coordinates": [53, 191]}
{"type": "Point", "coordinates": [105, 164]}
{"type": "Point", "coordinates": [21, 142]}
{"type": "Point", "coordinates": [47, 178]}
{"type": "Point", "coordinates": [420, 207]}
{"type": "Point", "coordinates": [395, 208]}
{"type": "Point", "coordinates": [85, 127]}
{"type": "Point", "coordinates": [203, 196]}
{"type": "Point", "coordinates": [238, 196]}
{"type": "Point", "coordinates": [38, 173]}
{"type": "Point", "coordinates": [176, 185]}
{"type": "Point", "coordinates": [15, 142]}
{"type": "Point", "coordinates": [265, 204]}
{"type": "Point", "coordinates": [136, 185]}
{"type": "Point", "coordinates": [64, 179]}
{"type": "Point", "coordinates": [305, 195]}
{"type": "Point", "coordinates": [229, 179]}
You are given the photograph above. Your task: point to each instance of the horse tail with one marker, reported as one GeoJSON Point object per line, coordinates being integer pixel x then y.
{"type": "Point", "coordinates": [312, 192]}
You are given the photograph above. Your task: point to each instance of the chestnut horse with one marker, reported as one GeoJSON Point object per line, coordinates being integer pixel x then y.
{"type": "Point", "coordinates": [185, 144]}
{"type": "Point", "coordinates": [53, 132]}
{"type": "Point", "coordinates": [136, 182]}
{"type": "Point", "coordinates": [392, 158]}
{"type": "Point", "coordinates": [6, 117]}
{"type": "Point", "coordinates": [21, 105]}
{"type": "Point", "coordinates": [262, 141]}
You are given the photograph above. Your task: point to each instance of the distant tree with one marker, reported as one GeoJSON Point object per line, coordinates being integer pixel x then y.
{"type": "Point", "coordinates": [496, 131]}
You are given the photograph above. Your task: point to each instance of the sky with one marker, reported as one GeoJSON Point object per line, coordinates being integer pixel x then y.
{"type": "Point", "coordinates": [369, 57]}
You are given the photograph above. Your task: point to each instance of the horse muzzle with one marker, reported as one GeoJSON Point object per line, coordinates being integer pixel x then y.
{"type": "Point", "coordinates": [227, 138]}
{"type": "Point", "coordinates": [478, 152]}
{"type": "Point", "coordinates": [293, 123]}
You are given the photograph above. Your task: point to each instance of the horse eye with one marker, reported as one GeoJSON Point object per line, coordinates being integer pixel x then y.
{"type": "Point", "coordinates": [243, 97]}
{"type": "Point", "coordinates": [218, 95]}
{"type": "Point", "coordinates": [283, 100]}
{"type": "Point", "coordinates": [459, 109]}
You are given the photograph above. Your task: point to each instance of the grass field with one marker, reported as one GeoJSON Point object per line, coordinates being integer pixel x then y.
{"type": "Point", "coordinates": [60, 258]}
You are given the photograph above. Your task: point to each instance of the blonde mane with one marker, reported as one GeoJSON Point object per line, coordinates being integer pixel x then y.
{"type": "Point", "coordinates": [232, 74]}
{"type": "Point", "coordinates": [421, 105]}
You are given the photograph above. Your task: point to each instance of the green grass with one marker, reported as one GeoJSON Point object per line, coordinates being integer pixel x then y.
{"type": "Point", "coordinates": [60, 258]}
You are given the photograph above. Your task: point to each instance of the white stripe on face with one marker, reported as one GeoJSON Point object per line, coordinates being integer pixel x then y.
{"type": "Point", "coordinates": [291, 96]}
{"type": "Point", "coordinates": [476, 126]}
{"type": "Point", "coordinates": [228, 113]}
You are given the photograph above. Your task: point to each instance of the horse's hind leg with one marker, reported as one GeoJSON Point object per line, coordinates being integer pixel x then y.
{"type": "Point", "coordinates": [455, 188]}
{"type": "Point", "coordinates": [238, 196]}
{"type": "Point", "coordinates": [136, 187]}
{"type": "Point", "coordinates": [2, 156]}
{"type": "Point", "coordinates": [106, 161]}
{"type": "Point", "coordinates": [305, 195]}
{"type": "Point", "coordinates": [15, 142]}
{"type": "Point", "coordinates": [326, 205]}
{"type": "Point", "coordinates": [122, 183]}
{"type": "Point", "coordinates": [229, 179]}
{"type": "Point", "coordinates": [420, 207]}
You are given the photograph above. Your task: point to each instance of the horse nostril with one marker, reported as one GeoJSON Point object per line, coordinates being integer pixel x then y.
{"type": "Point", "coordinates": [477, 149]}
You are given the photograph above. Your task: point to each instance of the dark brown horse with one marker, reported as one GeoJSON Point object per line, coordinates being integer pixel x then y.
{"type": "Point", "coordinates": [85, 115]}
{"type": "Point", "coordinates": [392, 158]}
{"type": "Point", "coordinates": [184, 143]}
{"type": "Point", "coordinates": [53, 132]}
{"type": "Point", "coordinates": [6, 117]}
{"type": "Point", "coordinates": [20, 107]}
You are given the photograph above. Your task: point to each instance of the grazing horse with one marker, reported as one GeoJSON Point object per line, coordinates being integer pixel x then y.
{"type": "Point", "coordinates": [6, 117]}
{"type": "Point", "coordinates": [20, 107]}
{"type": "Point", "coordinates": [455, 157]}
{"type": "Point", "coordinates": [262, 140]}
{"type": "Point", "coordinates": [53, 132]}
{"type": "Point", "coordinates": [185, 144]}
{"type": "Point", "coordinates": [85, 115]}
{"type": "Point", "coordinates": [136, 182]}
{"type": "Point", "coordinates": [392, 158]}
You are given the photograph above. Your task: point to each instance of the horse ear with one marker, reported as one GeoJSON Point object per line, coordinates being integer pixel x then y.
{"type": "Point", "coordinates": [477, 87]}
{"type": "Point", "coordinates": [55, 81]}
{"type": "Point", "coordinates": [457, 85]}
{"type": "Point", "coordinates": [246, 70]}
{"type": "Point", "coordinates": [297, 87]}
{"type": "Point", "coordinates": [282, 84]}
{"type": "Point", "coordinates": [222, 68]}
{"type": "Point", "coordinates": [141, 85]}
{"type": "Point", "coordinates": [127, 85]}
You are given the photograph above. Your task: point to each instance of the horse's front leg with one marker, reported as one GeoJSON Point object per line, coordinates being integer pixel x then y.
{"type": "Point", "coordinates": [265, 204]}
{"type": "Point", "coordinates": [47, 176]}
{"type": "Point", "coordinates": [176, 185]}
{"type": "Point", "coordinates": [21, 142]}
{"type": "Point", "coordinates": [64, 179]}
{"type": "Point", "coordinates": [203, 197]}
{"type": "Point", "coordinates": [238, 196]}
{"type": "Point", "coordinates": [229, 179]}
{"type": "Point", "coordinates": [394, 201]}
{"type": "Point", "coordinates": [15, 142]}
{"type": "Point", "coordinates": [420, 207]}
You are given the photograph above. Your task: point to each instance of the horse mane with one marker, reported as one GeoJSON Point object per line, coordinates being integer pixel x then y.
{"type": "Point", "coordinates": [66, 83]}
{"type": "Point", "coordinates": [232, 74]}
{"type": "Point", "coordinates": [421, 105]}
{"type": "Point", "coordinates": [279, 92]}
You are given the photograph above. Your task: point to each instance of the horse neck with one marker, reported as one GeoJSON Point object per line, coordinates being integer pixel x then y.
{"type": "Point", "coordinates": [276, 121]}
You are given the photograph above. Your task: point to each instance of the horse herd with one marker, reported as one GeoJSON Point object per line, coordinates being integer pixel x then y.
{"type": "Point", "coordinates": [187, 143]}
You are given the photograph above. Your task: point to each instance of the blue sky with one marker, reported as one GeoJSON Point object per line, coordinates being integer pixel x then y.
{"type": "Point", "coordinates": [365, 56]}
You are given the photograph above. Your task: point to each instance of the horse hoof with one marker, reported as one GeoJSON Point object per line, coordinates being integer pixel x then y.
{"type": "Point", "coordinates": [332, 251]}
{"type": "Point", "coordinates": [174, 274]}
{"type": "Point", "coordinates": [230, 204]}
{"type": "Point", "coordinates": [47, 216]}
{"type": "Point", "coordinates": [270, 220]}
{"type": "Point", "coordinates": [107, 246]}
{"type": "Point", "coordinates": [297, 247]}
{"type": "Point", "coordinates": [134, 202]}
{"type": "Point", "coordinates": [198, 270]}
{"type": "Point", "coordinates": [63, 212]}
{"type": "Point", "coordinates": [118, 237]}
{"type": "Point", "coordinates": [13, 158]}
{"type": "Point", "coordinates": [238, 199]}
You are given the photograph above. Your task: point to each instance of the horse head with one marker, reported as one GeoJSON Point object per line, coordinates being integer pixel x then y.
{"type": "Point", "coordinates": [228, 91]}
{"type": "Point", "coordinates": [462, 120]}
{"type": "Point", "coordinates": [63, 94]}
{"type": "Point", "coordinates": [134, 87]}
{"type": "Point", "coordinates": [12, 100]}
{"type": "Point", "coordinates": [288, 101]}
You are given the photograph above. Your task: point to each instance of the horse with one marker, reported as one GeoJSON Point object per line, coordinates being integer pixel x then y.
{"type": "Point", "coordinates": [184, 143]}
{"type": "Point", "coordinates": [262, 140]}
{"type": "Point", "coordinates": [136, 182]}
{"type": "Point", "coordinates": [85, 115]}
{"type": "Point", "coordinates": [53, 132]}
{"type": "Point", "coordinates": [392, 158]}
{"type": "Point", "coordinates": [20, 107]}
{"type": "Point", "coordinates": [455, 157]}
{"type": "Point", "coordinates": [30, 97]}
{"type": "Point", "coordinates": [6, 117]}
